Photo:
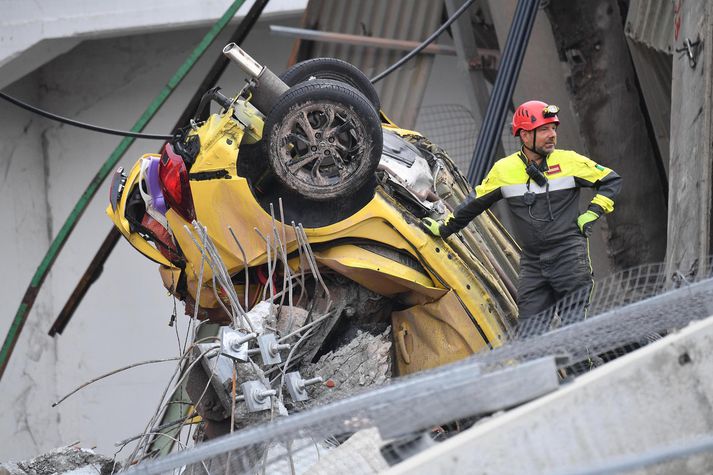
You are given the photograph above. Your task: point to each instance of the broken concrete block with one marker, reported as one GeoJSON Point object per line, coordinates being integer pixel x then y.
{"type": "Point", "coordinates": [73, 460]}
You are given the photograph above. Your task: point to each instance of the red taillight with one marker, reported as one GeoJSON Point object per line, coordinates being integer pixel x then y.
{"type": "Point", "coordinates": [176, 190]}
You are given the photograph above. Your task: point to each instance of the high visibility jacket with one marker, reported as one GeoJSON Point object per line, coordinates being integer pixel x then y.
{"type": "Point", "coordinates": [552, 218]}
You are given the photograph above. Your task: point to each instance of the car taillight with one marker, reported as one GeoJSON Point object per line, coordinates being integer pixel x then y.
{"type": "Point", "coordinates": [176, 190]}
{"type": "Point", "coordinates": [117, 187]}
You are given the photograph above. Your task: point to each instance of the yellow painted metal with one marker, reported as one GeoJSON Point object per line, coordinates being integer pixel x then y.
{"type": "Point", "coordinates": [457, 302]}
{"type": "Point", "coordinates": [170, 276]}
{"type": "Point", "coordinates": [389, 124]}
{"type": "Point", "coordinates": [433, 334]}
{"type": "Point", "coordinates": [251, 118]}
{"type": "Point", "coordinates": [122, 224]}
{"type": "Point", "coordinates": [380, 220]}
{"type": "Point", "coordinates": [220, 138]}
{"type": "Point", "coordinates": [377, 273]}
{"type": "Point", "coordinates": [447, 269]}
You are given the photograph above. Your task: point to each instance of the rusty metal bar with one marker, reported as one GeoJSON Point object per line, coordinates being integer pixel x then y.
{"type": "Point", "coordinates": [90, 276]}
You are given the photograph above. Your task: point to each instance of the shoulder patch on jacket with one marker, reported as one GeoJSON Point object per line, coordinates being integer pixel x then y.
{"type": "Point", "coordinates": [553, 169]}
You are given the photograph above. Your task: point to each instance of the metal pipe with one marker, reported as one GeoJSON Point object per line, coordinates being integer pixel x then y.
{"type": "Point", "coordinates": [372, 41]}
{"type": "Point", "coordinates": [511, 62]}
{"type": "Point", "coordinates": [423, 45]}
{"type": "Point", "coordinates": [268, 87]}
{"type": "Point", "coordinates": [246, 62]}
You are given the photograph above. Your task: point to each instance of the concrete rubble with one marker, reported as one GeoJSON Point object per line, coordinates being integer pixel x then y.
{"type": "Point", "coordinates": [364, 362]}
{"type": "Point", "coordinates": [64, 460]}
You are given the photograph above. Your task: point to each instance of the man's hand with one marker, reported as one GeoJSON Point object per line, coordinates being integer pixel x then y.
{"type": "Point", "coordinates": [435, 227]}
{"type": "Point", "coordinates": [586, 221]}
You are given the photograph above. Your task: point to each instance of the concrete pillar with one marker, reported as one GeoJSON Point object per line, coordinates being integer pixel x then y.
{"type": "Point", "coordinates": [689, 207]}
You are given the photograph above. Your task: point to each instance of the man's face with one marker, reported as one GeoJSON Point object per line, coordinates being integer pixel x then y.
{"type": "Point", "coordinates": [545, 138]}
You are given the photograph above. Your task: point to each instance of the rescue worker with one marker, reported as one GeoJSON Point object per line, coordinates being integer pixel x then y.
{"type": "Point", "coordinates": [541, 185]}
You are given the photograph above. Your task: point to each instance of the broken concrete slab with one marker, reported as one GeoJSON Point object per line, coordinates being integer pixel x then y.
{"type": "Point", "coordinates": [649, 400]}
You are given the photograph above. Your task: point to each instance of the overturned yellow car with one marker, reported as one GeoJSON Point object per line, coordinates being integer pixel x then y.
{"type": "Point", "coordinates": [307, 158]}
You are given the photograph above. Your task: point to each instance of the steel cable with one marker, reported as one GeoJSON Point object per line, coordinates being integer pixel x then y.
{"type": "Point", "coordinates": [81, 125]}
{"type": "Point", "coordinates": [508, 72]}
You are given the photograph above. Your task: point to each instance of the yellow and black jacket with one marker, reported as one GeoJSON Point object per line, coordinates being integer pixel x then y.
{"type": "Point", "coordinates": [552, 218]}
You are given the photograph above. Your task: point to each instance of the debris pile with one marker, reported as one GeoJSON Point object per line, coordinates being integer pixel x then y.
{"type": "Point", "coordinates": [77, 460]}
{"type": "Point", "coordinates": [363, 362]}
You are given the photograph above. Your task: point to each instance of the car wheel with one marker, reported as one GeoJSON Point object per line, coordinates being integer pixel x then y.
{"type": "Point", "coordinates": [324, 139]}
{"type": "Point", "coordinates": [333, 69]}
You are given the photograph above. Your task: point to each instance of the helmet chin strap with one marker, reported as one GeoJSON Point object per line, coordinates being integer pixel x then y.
{"type": "Point", "coordinates": [533, 150]}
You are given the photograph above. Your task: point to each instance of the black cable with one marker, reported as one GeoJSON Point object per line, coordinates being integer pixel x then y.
{"type": "Point", "coordinates": [420, 47]}
{"type": "Point", "coordinates": [105, 130]}
{"type": "Point", "coordinates": [82, 125]}
{"type": "Point", "coordinates": [549, 205]}
{"type": "Point", "coordinates": [501, 95]}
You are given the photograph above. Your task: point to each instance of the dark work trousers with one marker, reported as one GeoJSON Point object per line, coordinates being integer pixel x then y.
{"type": "Point", "coordinates": [563, 274]}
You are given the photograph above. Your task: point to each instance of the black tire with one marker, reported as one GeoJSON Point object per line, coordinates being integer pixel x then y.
{"type": "Point", "coordinates": [335, 70]}
{"type": "Point", "coordinates": [324, 140]}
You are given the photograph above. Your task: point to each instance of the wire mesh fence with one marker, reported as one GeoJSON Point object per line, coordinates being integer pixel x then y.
{"type": "Point", "coordinates": [365, 430]}
{"type": "Point", "coordinates": [454, 128]}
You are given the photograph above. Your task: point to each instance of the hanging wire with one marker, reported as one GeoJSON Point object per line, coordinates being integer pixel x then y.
{"type": "Point", "coordinates": [81, 125]}
{"type": "Point", "coordinates": [423, 45]}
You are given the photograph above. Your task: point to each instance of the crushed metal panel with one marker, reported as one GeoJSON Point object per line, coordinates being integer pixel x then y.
{"type": "Point", "coordinates": [426, 336]}
{"type": "Point", "coordinates": [402, 91]}
{"type": "Point", "coordinates": [651, 22]}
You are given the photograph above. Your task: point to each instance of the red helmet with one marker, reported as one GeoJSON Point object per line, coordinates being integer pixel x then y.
{"type": "Point", "coordinates": [532, 114]}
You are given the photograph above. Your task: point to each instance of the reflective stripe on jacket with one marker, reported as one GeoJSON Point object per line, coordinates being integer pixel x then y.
{"type": "Point", "coordinates": [534, 227]}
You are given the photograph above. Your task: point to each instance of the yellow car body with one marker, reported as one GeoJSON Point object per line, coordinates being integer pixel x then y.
{"type": "Point", "coordinates": [458, 302]}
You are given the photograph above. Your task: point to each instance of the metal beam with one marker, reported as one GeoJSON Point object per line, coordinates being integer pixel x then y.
{"type": "Point", "coordinates": [88, 278]}
{"type": "Point", "coordinates": [368, 41]}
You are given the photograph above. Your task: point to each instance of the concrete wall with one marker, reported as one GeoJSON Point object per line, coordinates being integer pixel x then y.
{"type": "Point", "coordinates": [44, 168]}
{"type": "Point", "coordinates": [30, 381]}
{"type": "Point", "coordinates": [33, 33]}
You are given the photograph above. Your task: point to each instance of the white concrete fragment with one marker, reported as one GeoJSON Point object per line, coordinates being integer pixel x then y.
{"type": "Point", "coordinates": [359, 454]}
{"type": "Point", "coordinates": [261, 314]}
{"type": "Point", "coordinates": [64, 460]}
{"type": "Point", "coordinates": [290, 319]}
